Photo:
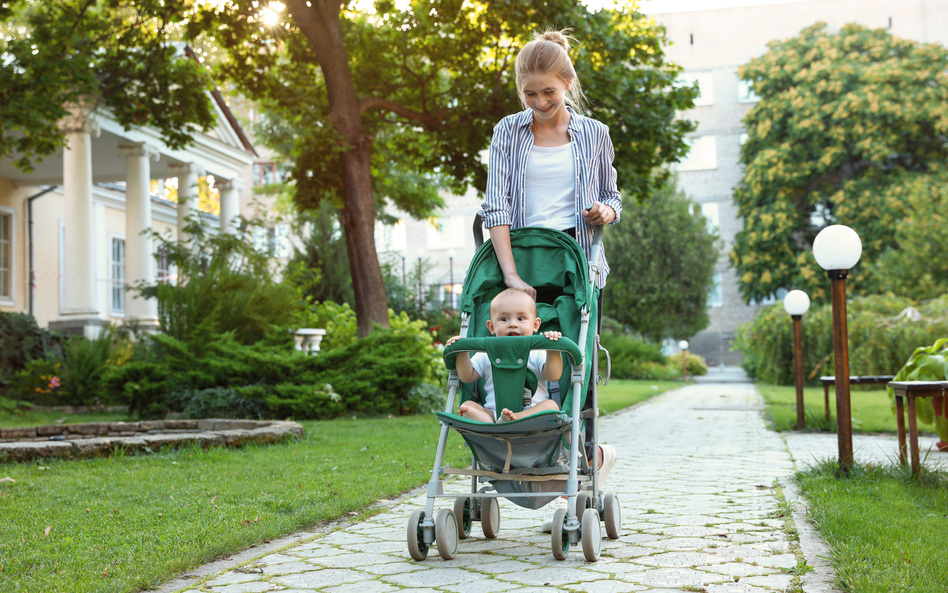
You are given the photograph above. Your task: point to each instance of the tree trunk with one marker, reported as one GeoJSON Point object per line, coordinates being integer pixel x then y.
{"type": "Point", "coordinates": [320, 24]}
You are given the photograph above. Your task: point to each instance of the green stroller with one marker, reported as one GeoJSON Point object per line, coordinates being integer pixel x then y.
{"type": "Point", "coordinates": [533, 460]}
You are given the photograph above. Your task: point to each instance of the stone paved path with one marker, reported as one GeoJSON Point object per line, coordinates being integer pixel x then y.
{"type": "Point", "coordinates": [695, 477]}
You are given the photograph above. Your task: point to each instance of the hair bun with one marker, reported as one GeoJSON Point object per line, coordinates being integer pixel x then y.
{"type": "Point", "coordinates": [557, 37]}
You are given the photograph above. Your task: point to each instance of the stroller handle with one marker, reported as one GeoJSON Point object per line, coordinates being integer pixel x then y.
{"type": "Point", "coordinates": [537, 342]}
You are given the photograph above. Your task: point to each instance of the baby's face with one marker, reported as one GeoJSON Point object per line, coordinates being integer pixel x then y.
{"type": "Point", "coordinates": [513, 315]}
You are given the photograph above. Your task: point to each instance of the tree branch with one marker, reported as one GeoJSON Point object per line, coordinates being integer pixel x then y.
{"type": "Point", "coordinates": [429, 120]}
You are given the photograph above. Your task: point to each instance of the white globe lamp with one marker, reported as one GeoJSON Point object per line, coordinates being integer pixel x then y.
{"type": "Point", "coordinates": [796, 302]}
{"type": "Point", "coordinates": [837, 247]}
{"type": "Point", "coordinates": [683, 345]}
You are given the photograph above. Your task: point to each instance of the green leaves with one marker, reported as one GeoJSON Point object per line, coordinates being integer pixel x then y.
{"type": "Point", "coordinates": [846, 124]}
{"type": "Point", "coordinates": [117, 54]}
{"type": "Point", "coordinates": [662, 258]}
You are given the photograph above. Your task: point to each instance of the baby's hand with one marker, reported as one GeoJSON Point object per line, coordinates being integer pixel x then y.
{"type": "Point", "coordinates": [451, 341]}
{"type": "Point", "coordinates": [550, 336]}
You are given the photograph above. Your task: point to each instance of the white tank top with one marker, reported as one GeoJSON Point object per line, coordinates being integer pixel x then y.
{"type": "Point", "coordinates": [551, 187]}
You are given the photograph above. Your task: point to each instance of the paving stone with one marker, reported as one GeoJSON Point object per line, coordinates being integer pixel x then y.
{"type": "Point", "coordinates": [680, 559]}
{"type": "Point", "coordinates": [229, 578]}
{"type": "Point", "coordinates": [484, 586]}
{"type": "Point", "coordinates": [321, 578]}
{"type": "Point", "coordinates": [436, 577]}
{"type": "Point", "coordinates": [674, 577]}
{"type": "Point", "coordinates": [547, 575]}
{"type": "Point", "coordinates": [362, 587]}
{"type": "Point", "coordinates": [296, 567]}
{"type": "Point", "coordinates": [354, 560]}
{"type": "Point", "coordinates": [253, 587]}
{"type": "Point", "coordinates": [778, 582]}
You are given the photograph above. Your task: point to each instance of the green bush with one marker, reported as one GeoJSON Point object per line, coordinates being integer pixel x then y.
{"type": "Point", "coordinates": [216, 402]}
{"type": "Point", "coordinates": [23, 341]}
{"type": "Point", "coordinates": [883, 332]}
{"type": "Point", "coordinates": [223, 285]}
{"type": "Point", "coordinates": [694, 364]}
{"type": "Point", "coordinates": [371, 376]}
{"type": "Point", "coordinates": [632, 357]}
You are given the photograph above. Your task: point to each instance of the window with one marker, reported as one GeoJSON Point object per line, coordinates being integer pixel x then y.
{"type": "Point", "coordinates": [710, 211]}
{"type": "Point", "coordinates": [274, 240]}
{"type": "Point", "coordinates": [771, 298]}
{"type": "Point", "coordinates": [279, 237]}
{"type": "Point", "coordinates": [451, 295]}
{"type": "Point", "coordinates": [6, 255]}
{"type": "Point", "coordinates": [705, 82]}
{"type": "Point", "coordinates": [390, 237]}
{"type": "Point", "coordinates": [117, 274]}
{"type": "Point", "coordinates": [265, 174]}
{"type": "Point", "coordinates": [62, 263]}
{"type": "Point", "coordinates": [702, 156]}
{"type": "Point", "coordinates": [745, 92]}
{"type": "Point", "coordinates": [162, 268]}
{"type": "Point", "coordinates": [716, 293]}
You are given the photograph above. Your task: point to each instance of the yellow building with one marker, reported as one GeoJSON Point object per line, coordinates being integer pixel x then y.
{"type": "Point", "coordinates": [73, 232]}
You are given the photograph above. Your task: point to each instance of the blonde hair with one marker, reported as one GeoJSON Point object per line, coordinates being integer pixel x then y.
{"type": "Point", "coordinates": [548, 53]}
{"type": "Point", "coordinates": [511, 292]}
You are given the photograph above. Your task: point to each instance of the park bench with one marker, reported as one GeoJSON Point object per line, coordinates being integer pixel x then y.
{"type": "Point", "coordinates": [830, 380]}
{"type": "Point", "coordinates": [906, 392]}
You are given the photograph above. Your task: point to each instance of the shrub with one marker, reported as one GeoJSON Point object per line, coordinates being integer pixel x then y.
{"type": "Point", "coordinates": [224, 285]}
{"type": "Point", "coordinates": [694, 364]}
{"type": "Point", "coordinates": [632, 358]}
{"type": "Point", "coordinates": [426, 398]}
{"type": "Point", "coordinates": [38, 383]}
{"type": "Point", "coordinates": [371, 376]}
{"type": "Point", "coordinates": [883, 332]}
{"type": "Point", "coordinates": [216, 402]}
{"type": "Point", "coordinates": [23, 341]}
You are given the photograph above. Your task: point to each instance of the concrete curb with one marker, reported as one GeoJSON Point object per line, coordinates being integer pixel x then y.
{"type": "Point", "coordinates": [93, 439]}
{"type": "Point", "coordinates": [815, 551]}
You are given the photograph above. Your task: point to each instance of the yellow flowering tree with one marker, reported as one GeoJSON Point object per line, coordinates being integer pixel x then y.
{"type": "Point", "coordinates": [846, 124]}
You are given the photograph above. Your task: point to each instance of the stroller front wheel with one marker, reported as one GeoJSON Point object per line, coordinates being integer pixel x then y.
{"type": "Point", "coordinates": [446, 534]}
{"type": "Point", "coordinates": [559, 537]}
{"type": "Point", "coordinates": [612, 515]}
{"type": "Point", "coordinates": [416, 536]}
{"type": "Point", "coordinates": [591, 535]}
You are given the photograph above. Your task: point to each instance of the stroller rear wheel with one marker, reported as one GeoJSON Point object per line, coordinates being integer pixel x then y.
{"type": "Point", "coordinates": [416, 536]}
{"type": "Point", "coordinates": [559, 536]}
{"type": "Point", "coordinates": [490, 517]}
{"type": "Point", "coordinates": [462, 513]}
{"type": "Point", "coordinates": [612, 515]}
{"type": "Point", "coordinates": [591, 535]}
{"type": "Point", "coordinates": [446, 534]}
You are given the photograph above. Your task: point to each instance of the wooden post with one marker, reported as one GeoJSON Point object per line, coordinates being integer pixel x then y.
{"type": "Point", "coordinates": [684, 365]}
{"type": "Point", "coordinates": [798, 368]}
{"type": "Point", "coordinates": [844, 421]}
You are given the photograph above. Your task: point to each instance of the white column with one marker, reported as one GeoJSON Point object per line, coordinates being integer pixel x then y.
{"type": "Point", "coordinates": [139, 257]}
{"type": "Point", "coordinates": [79, 269]}
{"type": "Point", "coordinates": [187, 174]}
{"type": "Point", "coordinates": [230, 204]}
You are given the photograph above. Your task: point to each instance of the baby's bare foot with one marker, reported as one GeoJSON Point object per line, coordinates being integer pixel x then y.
{"type": "Point", "coordinates": [507, 416]}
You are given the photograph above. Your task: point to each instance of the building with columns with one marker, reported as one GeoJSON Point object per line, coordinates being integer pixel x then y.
{"type": "Point", "coordinates": [76, 231]}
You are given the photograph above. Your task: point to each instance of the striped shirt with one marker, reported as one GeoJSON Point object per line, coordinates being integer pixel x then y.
{"type": "Point", "coordinates": [595, 176]}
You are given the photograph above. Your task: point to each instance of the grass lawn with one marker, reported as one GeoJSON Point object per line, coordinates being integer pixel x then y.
{"type": "Point", "coordinates": [129, 522]}
{"type": "Point", "coordinates": [621, 393]}
{"type": "Point", "coordinates": [871, 410]}
{"type": "Point", "coordinates": [36, 418]}
{"type": "Point", "coordinates": [886, 531]}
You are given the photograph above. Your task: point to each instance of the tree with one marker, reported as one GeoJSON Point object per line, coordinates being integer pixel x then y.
{"type": "Point", "coordinates": [846, 123]}
{"type": "Point", "coordinates": [916, 266]}
{"type": "Point", "coordinates": [662, 258]}
{"type": "Point", "coordinates": [117, 54]}
{"type": "Point", "coordinates": [389, 104]}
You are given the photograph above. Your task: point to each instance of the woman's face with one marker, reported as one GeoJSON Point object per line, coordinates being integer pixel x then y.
{"type": "Point", "coordinates": [545, 94]}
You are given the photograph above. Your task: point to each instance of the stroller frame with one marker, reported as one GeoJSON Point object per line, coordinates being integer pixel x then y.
{"type": "Point", "coordinates": [580, 521]}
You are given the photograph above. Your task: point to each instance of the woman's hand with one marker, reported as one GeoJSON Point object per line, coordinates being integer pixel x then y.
{"type": "Point", "coordinates": [451, 341]}
{"type": "Point", "coordinates": [552, 335]}
{"type": "Point", "coordinates": [514, 281]}
{"type": "Point", "coordinates": [599, 214]}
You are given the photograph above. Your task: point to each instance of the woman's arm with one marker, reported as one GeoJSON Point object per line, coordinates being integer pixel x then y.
{"type": "Point", "coordinates": [500, 239]}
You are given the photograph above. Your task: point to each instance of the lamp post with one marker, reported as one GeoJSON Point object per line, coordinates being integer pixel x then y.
{"type": "Point", "coordinates": [837, 249]}
{"type": "Point", "coordinates": [684, 359]}
{"type": "Point", "coordinates": [451, 273]}
{"type": "Point", "coordinates": [796, 304]}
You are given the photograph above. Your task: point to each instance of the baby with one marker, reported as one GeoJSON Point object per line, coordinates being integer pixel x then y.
{"type": "Point", "coordinates": [512, 313]}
